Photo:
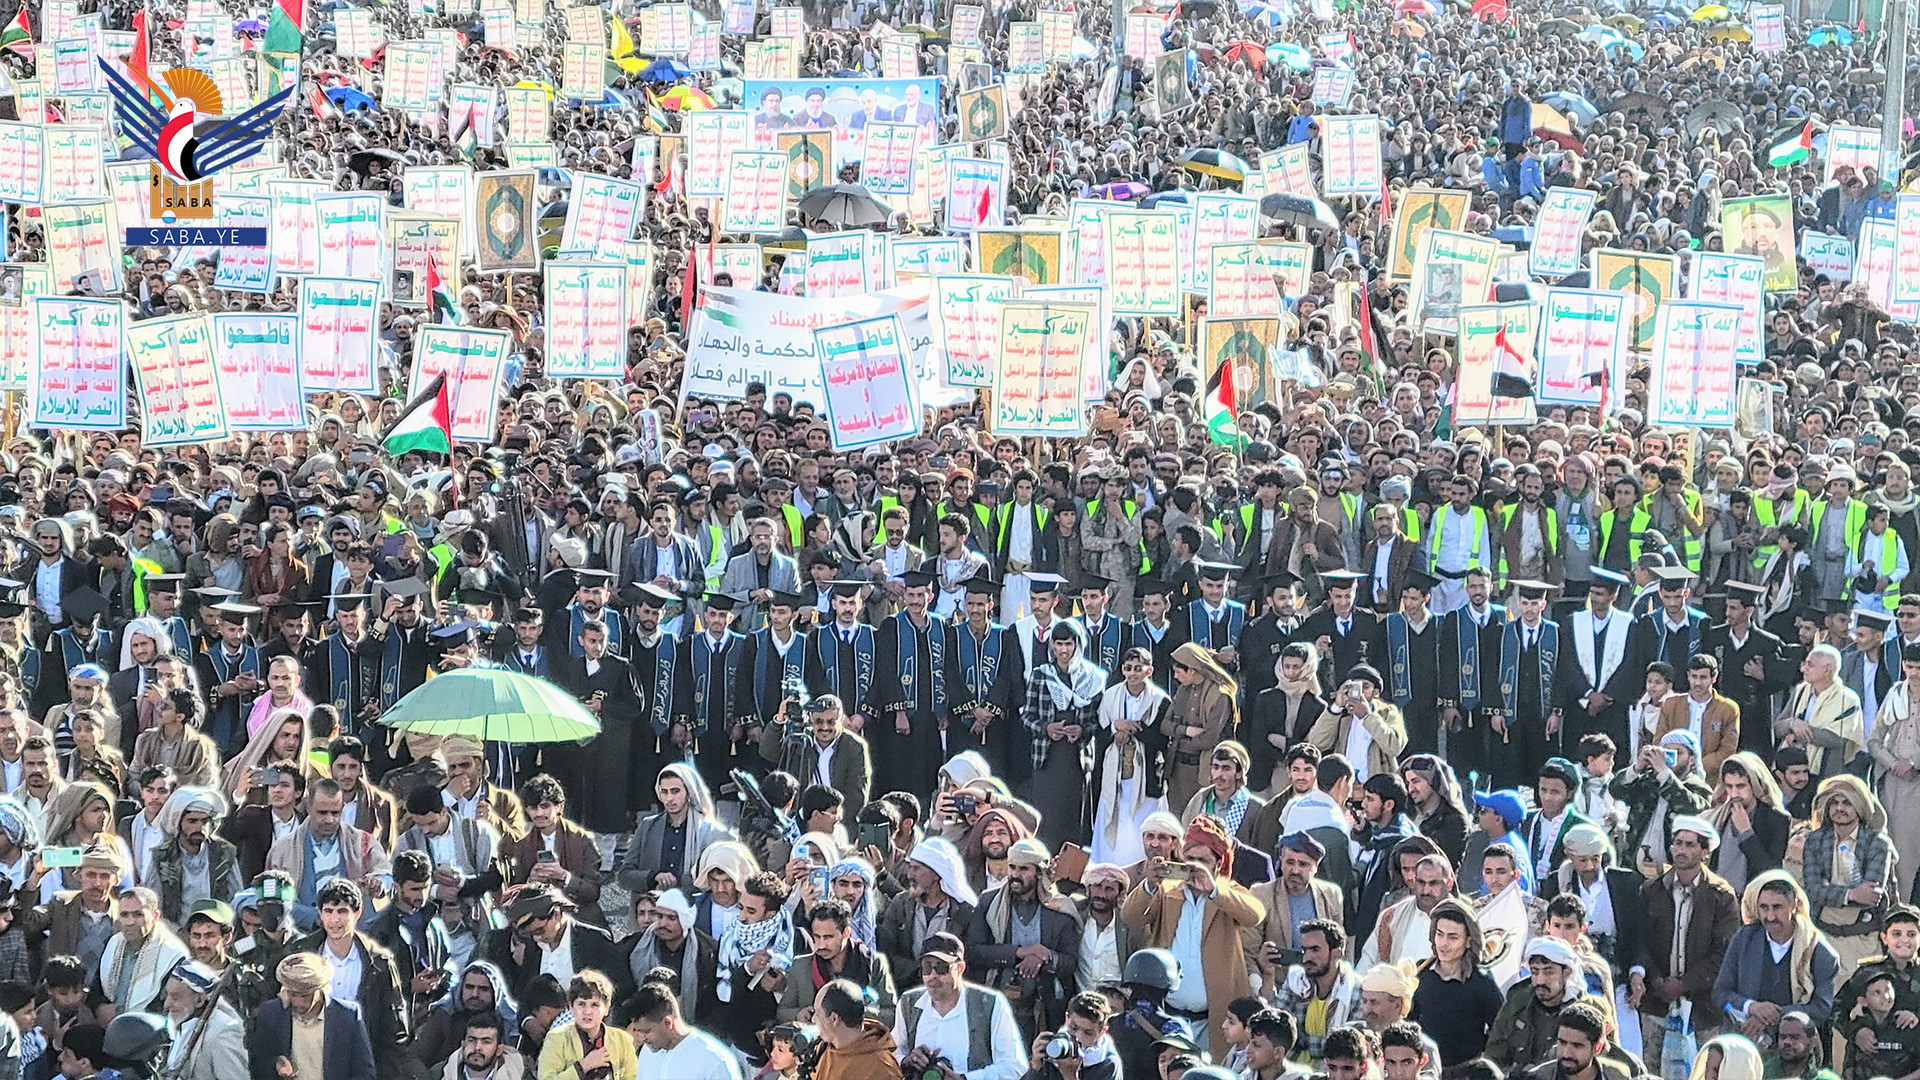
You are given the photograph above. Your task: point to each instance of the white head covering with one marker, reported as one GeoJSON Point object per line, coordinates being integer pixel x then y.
{"type": "Point", "coordinates": [697, 793]}
{"type": "Point", "coordinates": [965, 767]}
{"type": "Point", "coordinates": [146, 627]}
{"type": "Point", "coordinates": [676, 901]}
{"type": "Point", "coordinates": [938, 854]}
{"type": "Point", "coordinates": [188, 799]}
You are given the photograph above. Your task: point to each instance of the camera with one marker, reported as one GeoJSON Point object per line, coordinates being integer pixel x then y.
{"type": "Point", "coordinates": [1177, 871]}
{"type": "Point", "coordinates": [920, 1065]}
{"type": "Point", "coordinates": [965, 805]}
{"type": "Point", "coordinates": [1061, 1045]}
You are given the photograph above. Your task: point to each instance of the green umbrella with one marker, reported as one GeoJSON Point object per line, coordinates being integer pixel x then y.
{"type": "Point", "coordinates": [493, 704]}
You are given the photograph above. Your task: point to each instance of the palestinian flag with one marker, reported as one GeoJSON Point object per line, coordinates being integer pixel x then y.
{"type": "Point", "coordinates": [1794, 150]}
{"type": "Point", "coordinates": [286, 25]}
{"type": "Point", "coordinates": [18, 34]}
{"type": "Point", "coordinates": [1222, 409]}
{"type": "Point", "coordinates": [425, 425]}
{"type": "Point", "coordinates": [440, 296]}
{"type": "Point", "coordinates": [1509, 368]}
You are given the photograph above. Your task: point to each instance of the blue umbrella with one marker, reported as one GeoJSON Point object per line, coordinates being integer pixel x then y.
{"type": "Point", "coordinates": [1520, 236]}
{"type": "Point", "coordinates": [553, 176]}
{"type": "Point", "coordinates": [612, 100]}
{"type": "Point", "coordinates": [1574, 105]}
{"type": "Point", "coordinates": [666, 71]}
{"type": "Point", "coordinates": [350, 99]}
{"type": "Point", "coordinates": [1830, 34]}
{"type": "Point", "coordinates": [251, 26]}
{"type": "Point", "coordinates": [1159, 197]}
{"type": "Point", "coordinates": [1290, 54]}
{"type": "Point", "coordinates": [1667, 18]}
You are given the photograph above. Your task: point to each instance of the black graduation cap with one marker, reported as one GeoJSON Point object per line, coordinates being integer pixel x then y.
{"type": "Point", "coordinates": [84, 604]}
{"type": "Point", "coordinates": [1873, 620]}
{"type": "Point", "coordinates": [1604, 578]}
{"type": "Point", "coordinates": [1340, 579]}
{"type": "Point", "coordinates": [590, 578]}
{"type": "Point", "coordinates": [464, 632]}
{"type": "Point", "coordinates": [1044, 583]}
{"type": "Point", "coordinates": [236, 613]}
{"type": "Point", "coordinates": [158, 583]}
{"type": "Point", "coordinates": [983, 585]}
{"type": "Point", "coordinates": [1674, 577]}
{"type": "Point", "coordinates": [847, 587]}
{"type": "Point", "coordinates": [350, 601]}
{"type": "Point", "coordinates": [1746, 592]}
{"type": "Point", "coordinates": [720, 601]}
{"type": "Point", "coordinates": [1533, 590]}
{"type": "Point", "coordinates": [13, 597]}
{"type": "Point", "coordinates": [647, 594]}
{"type": "Point", "coordinates": [787, 599]}
{"type": "Point", "coordinates": [1094, 582]}
{"type": "Point", "coordinates": [214, 594]}
{"type": "Point", "coordinates": [1215, 571]}
{"type": "Point", "coordinates": [406, 589]}
{"type": "Point", "coordinates": [1156, 587]}
{"type": "Point", "coordinates": [918, 579]}
{"type": "Point", "coordinates": [1279, 579]}
{"type": "Point", "coordinates": [1419, 579]}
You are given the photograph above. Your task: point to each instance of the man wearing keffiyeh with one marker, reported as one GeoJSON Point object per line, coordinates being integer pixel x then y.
{"type": "Point", "coordinates": [1063, 709]}
{"type": "Point", "coordinates": [1227, 796]}
{"type": "Point", "coordinates": [755, 953]}
{"type": "Point", "coordinates": [1025, 940]}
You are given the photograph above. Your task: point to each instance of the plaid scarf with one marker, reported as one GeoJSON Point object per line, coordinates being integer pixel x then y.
{"type": "Point", "coordinates": [739, 943]}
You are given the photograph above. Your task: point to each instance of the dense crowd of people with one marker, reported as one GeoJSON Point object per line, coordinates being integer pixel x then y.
{"type": "Point", "coordinates": [1372, 745]}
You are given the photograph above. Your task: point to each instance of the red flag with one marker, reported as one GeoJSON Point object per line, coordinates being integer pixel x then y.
{"type": "Point", "coordinates": [296, 11]}
{"type": "Point", "coordinates": [1367, 341]}
{"type": "Point", "coordinates": [1386, 206]}
{"type": "Point", "coordinates": [986, 204]}
{"type": "Point", "coordinates": [318, 101]}
{"type": "Point", "coordinates": [138, 56]}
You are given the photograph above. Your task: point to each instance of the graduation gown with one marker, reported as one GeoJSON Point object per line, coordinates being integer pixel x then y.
{"type": "Point", "coordinates": [918, 673]}
{"type": "Point", "coordinates": [991, 675]}
{"type": "Point", "coordinates": [346, 677]}
{"type": "Point", "coordinates": [602, 774]}
{"type": "Point", "coordinates": [765, 670]}
{"type": "Point", "coordinates": [1604, 662]}
{"type": "Point", "coordinates": [1753, 696]}
{"type": "Point", "coordinates": [704, 689]}
{"type": "Point", "coordinates": [1170, 637]}
{"type": "Point", "coordinates": [656, 669]}
{"type": "Point", "coordinates": [226, 722]}
{"type": "Point", "coordinates": [1363, 642]}
{"type": "Point", "coordinates": [1260, 645]}
{"type": "Point", "coordinates": [1469, 682]}
{"type": "Point", "coordinates": [1413, 678]}
{"type": "Point", "coordinates": [845, 669]}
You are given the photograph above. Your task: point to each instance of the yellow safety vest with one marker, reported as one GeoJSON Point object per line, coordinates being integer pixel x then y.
{"type": "Point", "coordinates": [1763, 514]}
{"type": "Point", "coordinates": [1855, 524]}
{"type": "Point", "coordinates": [1093, 507]}
{"type": "Point", "coordinates": [1888, 559]}
{"type": "Point", "coordinates": [1691, 543]}
{"type": "Point", "coordinates": [1639, 524]}
{"type": "Point", "coordinates": [1552, 531]}
{"type": "Point", "coordinates": [796, 524]}
{"type": "Point", "coordinates": [1005, 519]}
{"type": "Point", "coordinates": [1479, 530]}
{"type": "Point", "coordinates": [1411, 523]}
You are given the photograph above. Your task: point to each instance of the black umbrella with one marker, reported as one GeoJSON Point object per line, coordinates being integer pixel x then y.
{"type": "Point", "coordinates": [848, 206]}
{"type": "Point", "coordinates": [361, 161]}
{"type": "Point", "coordinates": [1299, 210]}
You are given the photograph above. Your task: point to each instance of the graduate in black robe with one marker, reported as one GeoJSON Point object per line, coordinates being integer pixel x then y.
{"type": "Point", "coordinates": [1752, 666]}
{"type": "Point", "coordinates": [1266, 634]}
{"type": "Point", "coordinates": [1413, 662]}
{"type": "Point", "coordinates": [1155, 630]}
{"type": "Point", "coordinates": [1469, 691]}
{"type": "Point", "coordinates": [704, 692]}
{"type": "Point", "coordinates": [1213, 621]}
{"type": "Point", "coordinates": [655, 656]}
{"type": "Point", "coordinates": [773, 666]}
{"type": "Point", "coordinates": [843, 658]}
{"type": "Point", "coordinates": [346, 667]}
{"type": "Point", "coordinates": [992, 686]}
{"type": "Point", "coordinates": [601, 773]}
{"type": "Point", "coordinates": [1353, 635]}
{"type": "Point", "coordinates": [917, 685]}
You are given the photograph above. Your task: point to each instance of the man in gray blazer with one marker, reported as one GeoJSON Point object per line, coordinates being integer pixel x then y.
{"type": "Point", "coordinates": [757, 574]}
{"type": "Point", "coordinates": [1752, 990]}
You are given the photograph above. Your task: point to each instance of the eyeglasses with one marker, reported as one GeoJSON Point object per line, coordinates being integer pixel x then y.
{"type": "Point", "coordinates": [935, 967]}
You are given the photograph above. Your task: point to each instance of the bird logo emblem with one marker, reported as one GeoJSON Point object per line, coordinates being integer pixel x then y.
{"type": "Point", "coordinates": [188, 133]}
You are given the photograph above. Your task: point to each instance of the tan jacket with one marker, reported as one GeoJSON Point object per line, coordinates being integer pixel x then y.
{"type": "Point", "coordinates": [1719, 728]}
{"type": "Point", "coordinates": [1384, 723]}
{"type": "Point", "coordinates": [1279, 927]}
{"type": "Point", "coordinates": [1231, 911]}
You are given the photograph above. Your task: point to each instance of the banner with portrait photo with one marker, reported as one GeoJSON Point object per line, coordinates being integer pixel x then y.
{"type": "Point", "coordinates": [80, 377]}
{"type": "Point", "coordinates": [1037, 373]}
{"type": "Point", "coordinates": [339, 334]}
{"type": "Point", "coordinates": [258, 357]}
{"type": "Point", "coordinates": [1474, 255]}
{"type": "Point", "coordinates": [417, 241]}
{"type": "Point", "coordinates": [1480, 355]}
{"type": "Point", "coordinates": [1691, 383]}
{"type": "Point", "coordinates": [866, 377]}
{"type": "Point", "coordinates": [1762, 225]}
{"type": "Point", "coordinates": [1417, 210]}
{"type": "Point", "coordinates": [1647, 279]}
{"type": "Point", "coordinates": [181, 401]}
{"type": "Point", "coordinates": [1739, 280]}
{"type": "Point", "coordinates": [1558, 230]}
{"type": "Point", "coordinates": [842, 106]}
{"type": "Point", "coordinates": [1582, 332]}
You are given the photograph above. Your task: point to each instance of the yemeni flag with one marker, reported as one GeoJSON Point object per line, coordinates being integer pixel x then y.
{"type": "Point", "coordinates": [440, 296]}
{"type": "Point", "coordinates": [1793, 151]}
{"type": "Point", "coordinates": [1509, 368]}
{"type": "Point", "coordinates": [425, 425]}
{"type": "Point", "coordinates": [1222, 410]}
{"type": "Point", "coordinates": [18, 35]}
{"type": "Point", "coordinates": [286, 24]}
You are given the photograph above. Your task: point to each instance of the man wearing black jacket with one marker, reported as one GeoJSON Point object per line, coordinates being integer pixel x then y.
{"type": "Point", "coordinates": [1753, 826]}
{"type": "Point", "coordinates": [539, 920]}
{"type": "Point", "coordinates": [381, 999]}
{"type": "Point", "coordinates": [1752, 668]}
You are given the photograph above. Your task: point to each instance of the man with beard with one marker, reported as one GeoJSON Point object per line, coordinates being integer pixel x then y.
{"type": "Point", "coordinates": [674, 942]}
{"type": "Point", "coordinates": [1530, 549]}
{"type": "Point", "coordinates": [1579, 1041]}
{"type": "Point", "coordinates": [1298, 896]}
{"type": "Point", "coordinates": [480, 995]}
{"type": "Point", "coordinates": [192, 865]}
{"type": "Point", "coordinates": [918, 683]}
{"type": "Point", "coordinates": [77, 923]}
{"type": "Point", "coordinates": [1401, 930]}
{"type": "Point", "coordinates": [209, 1045]}
{"type": "Point", "coordinates": [346, 665]}
{"type": "Point", "coordinates": [1752, 668]}
{"type": "Point", "coordinates": [209, 942]}
{"type": "Point", "coordinates": [405, 641]}
{"type": "Point", "coordinates": [992, 679]}
{"type": "Point", "coordinates": [1470, 638]}
{"type": "Point", "coordinates": [407, 929]}
{"type": "Point", "coordinates": [837, 954]}
{"type": "Point", "coordinates": [772, 666]}
{"type": "Point", "coordinates": [1529, 1020]}
{"type": "Point", "coordinates": [1260, 643]}
{"type": "Point", "coordinates": [938, 900]}
{"type": "Point", "coordinates": [1413, 655]}
{"type": "Point", "coordinates": [1321, 991]}
{"type": "Point", "coordinates": [1797, 1050]}
{"type": "Point", "coordinates": [590, 605]}
{"type": "Point", "coordinates": [135, 963]}
{"type": "Point", "coordinates": [993, 835]}
{"type": "Point", "coordinates": [484, 1053]}
{"type": "Point", "coordinates": [1040, 973]}
{"type": "Point", "coordinates": [1344, 634]}
{"type": "Point", "coordinates": [1847, 895]}
{"type": "Point", "coordinates": [1105, 939]}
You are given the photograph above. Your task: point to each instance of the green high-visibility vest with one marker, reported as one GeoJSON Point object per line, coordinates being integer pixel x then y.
{"type": "Point", "coordinates": [1764, 515]}
{"type": "Point", "coordinates": [1552, 530]}
{"type": "Point", "coordinates": [1887, 559]}
{"type": "Point", "coordinates": [1691, 543]}
{"type": "Point", "coordinates": [1855, 524]}
{"type": "Point", "coordinates": [1479, 530]}
{"type": "Point", "coordinates": [1637, 525]}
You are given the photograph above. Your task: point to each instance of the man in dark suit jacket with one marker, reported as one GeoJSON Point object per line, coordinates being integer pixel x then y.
{"type": "Point", "coordinates": [849, 768]}
{"type": "Point", "coordinates": [347, 1049]}
{"type": "Point", "coordinates": [420, 956]}
{"type": "Point", "coordinates": [1753, 831]}
{"type": "Point", "coordinates": [687, 577]}
{"type": "Point", "coordinates": [382, 1000]}
{"type": "Point", "coordinates": [537, 921]}
{"type": "Point", "coordinates": [1615, 933]}
{"type": "Point", "coordinates": [1385, 577]}
{"type": "Point", "coordinates": [991, 952]}
{"type": "Point", "coordinates": [1716, 915]}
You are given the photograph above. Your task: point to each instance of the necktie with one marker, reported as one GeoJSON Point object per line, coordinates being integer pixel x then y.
{"type": "Point", "coordinates": [526, 660]}
{"type": "Point", "coordinates": [1527, 640]}
{"type": "Point", "coordinates": [846, 637]}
